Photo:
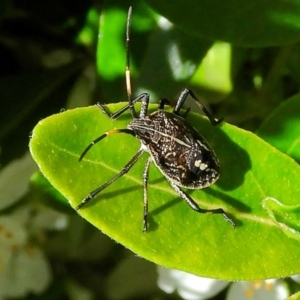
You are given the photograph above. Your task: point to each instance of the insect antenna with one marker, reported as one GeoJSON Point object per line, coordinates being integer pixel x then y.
{"type": "Point", "coordinates": [127, 71]}
{"type": "Point", "coordinates": [101, 137]}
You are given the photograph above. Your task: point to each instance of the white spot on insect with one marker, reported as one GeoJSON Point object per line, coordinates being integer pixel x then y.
{"type": "Point", "coordinates": [203, 166]}
{"type": "Point", "coordinates": [181, 167]}
{"type": "Point", "coordinates": [168, 154]}
{"type": "Point", "coordinates": [197, 163]}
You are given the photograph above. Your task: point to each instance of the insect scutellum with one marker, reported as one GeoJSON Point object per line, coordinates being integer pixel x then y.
{"type": "Point", "coordinates": [176, 148]}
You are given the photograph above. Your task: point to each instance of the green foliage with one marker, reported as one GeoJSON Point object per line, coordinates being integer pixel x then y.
{"type": "Point", "coordinates": [294, 297]}
{"type": "Point", "coordinates": [266, 213]}
{"type": "Point", "coordinates": [241, 59]}
{"type": "Point", "coordinates": [256, 23]}
{"type": "Point", "coordinates": [281, 128]}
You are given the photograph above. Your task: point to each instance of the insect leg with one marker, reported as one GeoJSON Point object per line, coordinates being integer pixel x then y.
{"type": "Point", "coordinates": [145, 103]}
{"type": "Point", "coordinates": [195, 206]}
{"type": "Point", "coordinates": [123, 109]}
{"type": "Point", "coordinates": [186, 112]}
{"type": "Point", "coordinates": [145, 183]}
{"type": "Point", "coordinates": [125, 169]}
{"type": "Point", "coordinates": [184, 94]}
{"type": "Point", "coordinates": [163, 102]}
{"type": "Point", "coordinates": [131, 101]}
{"type": "Point", "coordinates": [127, 71]}
{"type": "Point", "coordinates": [101, 137]}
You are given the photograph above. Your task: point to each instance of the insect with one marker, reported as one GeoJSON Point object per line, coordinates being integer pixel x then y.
{"type": "Point", "coordinates": [176, 148]}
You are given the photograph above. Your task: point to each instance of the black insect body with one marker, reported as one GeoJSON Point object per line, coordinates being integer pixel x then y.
{"type": "Point", "coordinates": [177, 149]}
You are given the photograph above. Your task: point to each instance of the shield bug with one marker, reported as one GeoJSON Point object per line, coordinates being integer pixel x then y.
{"type": "Point", "coordinates": [177, 149]}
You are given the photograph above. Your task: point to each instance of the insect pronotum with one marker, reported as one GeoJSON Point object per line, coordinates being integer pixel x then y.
{"type": "Point", "coordinates": [176, 148]}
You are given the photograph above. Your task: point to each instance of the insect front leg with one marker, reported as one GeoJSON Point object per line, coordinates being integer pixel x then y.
{"type": "Point", "coordinates": [180, 102]}
{"type": "Point", "coordinates": [196, 207]}
{"type": "Point", "coordinates": [126, 107]}
{"type": "Point", "coordinates": [101, 137]}
{"type": "Point", "coordinates": [145, 183]}
{"type": "Point", "coordinates": [125, 169]}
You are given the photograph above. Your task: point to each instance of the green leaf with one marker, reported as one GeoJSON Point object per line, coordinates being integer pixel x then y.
{"type": "Point", "coordinates": [295, 296]}
{"type": "Point", "coordinates": [253, 23]}
{"type": "Point", "coordinates": [175, 60]}
{"type": "Point", "coordinates": [282, 128]}
{"type": "Point", "coordinates": [45, 191]}
{"type": "Point", "coordinates": [112, 44]}
{"type": "Point", "coordinates": [258, 187]}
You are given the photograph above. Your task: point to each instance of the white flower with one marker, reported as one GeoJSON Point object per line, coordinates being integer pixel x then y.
{"type": "Point", "coordinates": [192, 287]}
{"type": "Point", "coordinates": [296, 278]}
{"type": "Point", "coordinates": [259, 290]}
{"type": "Point", "coordinates": [14, 180]}
{"type": "Point", "coordinates": [23, 267]}
{"type": "Point", "coordinates": [187, 285]}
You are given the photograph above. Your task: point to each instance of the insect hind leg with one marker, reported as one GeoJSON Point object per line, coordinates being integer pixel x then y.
{"type": "Point", "coordinates": [181, 100]}
{"type": "Point", "coordinates": [196, 207]}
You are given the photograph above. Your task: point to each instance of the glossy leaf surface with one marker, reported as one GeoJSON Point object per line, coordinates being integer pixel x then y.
{"type": "Point", "coordinates": [282, 128]}
{"type": "Point", "coordinates": [258, 187]}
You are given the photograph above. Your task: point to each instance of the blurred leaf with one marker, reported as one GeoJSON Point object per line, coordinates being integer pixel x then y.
{"type": "Point", "coordinates": [132, 285]}
{"type": "Point", "coordinates": [111, 44]}
{"type": "Point", "coordinates": [159, 51]}
{"type": "Point", "coordinates": [45, 191]}
{"type": "Point", "coordinates": [14, 180]}
{"type": "Point", "coordinates": [214, 71]}
{"type": "Point", "coordinates": [26, 98]}
{"type": "Point", "coordinates": [88, 33]}
{"type": "Point", "coordinates": [295, 296]}
{"type": "Point", "coordinates": [174, 62]}
{"type": "Point", "coordinates": [35, 87]}
{"type": "Point", "coordinates": [254, 23]}
{"type": "Point", "coordinates": [258, 184]}
{"type": "Point", "coordinates": [111, 47]}
{"type": "Point", "coordinates": [282, 128]}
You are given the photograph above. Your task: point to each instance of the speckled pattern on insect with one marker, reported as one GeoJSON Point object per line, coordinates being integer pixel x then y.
{"type": "Point", "coordinates": [176, 148]}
